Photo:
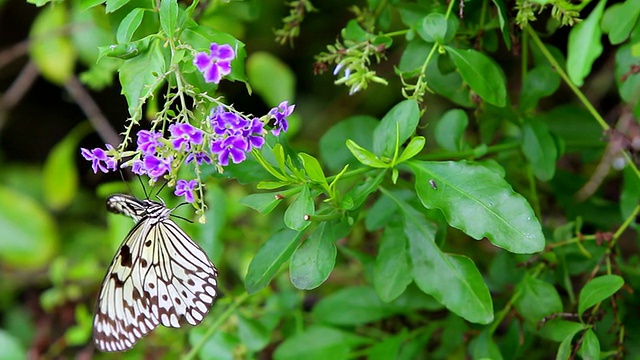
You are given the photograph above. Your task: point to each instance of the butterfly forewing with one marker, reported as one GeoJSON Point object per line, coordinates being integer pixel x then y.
{"type": "Point", "coordinates": [158, 276]}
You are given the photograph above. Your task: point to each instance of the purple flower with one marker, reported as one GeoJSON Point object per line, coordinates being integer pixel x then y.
{"type": "Point", "coordinates": [148, 141]}
{"type": "Point", "coordinates": [253, 132]}
{"type": "Point", "coordinates": [226, 123]}
{"type": "Point", "coordinates": [280, 113]}
{"type": "Point", "coordinates": [232, 146]}
{"type": "Point", "coordinates": [185, 188]}
{"type": "Point", "coordinates": [183, 135]}
{"type": "Point", "coordinates": [216, 64]}
{"type": "Point", "coordinates": [99, 159]}
{"type": "Point", "coordinates": [156, 166]}
{"type": "Point", "coordinates": [199, 157]}
{"type": "Point", "coordinates": [137, 167]}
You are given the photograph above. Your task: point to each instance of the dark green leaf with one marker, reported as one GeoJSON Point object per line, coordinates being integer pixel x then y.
{"type": "Point", "coordinates": [333, 151]}
{"type": "Point", "coordinates": [539, 148]}
{"type": "Point", "coordinates": [484, 347]}
{"type": "Point", "coordinates": [540, 82]}
{"type": "Point", "coordinates": [392, 272]}
{"type": "Point", "coordinates": [503, 17]}
{"type": "Point", "coordinates": [453, 280]}
{"type": "Point", "coordinates": [272, 254]}
{"type": "Point", "coordinates": [433, 28]}
{"type": "Point", "coordinates": [479, 202]}
{"type": "Point", "coordinates": [140, 76]}
{"type": "Point", "coordinates": [482, 74]}
{"type": "Point", "coordinates": [129, 25]}
{"type": "Point", "coordinates": [597, 290]}
{"type": "Point", "coordinates": [396, 127]}
{"type": "Point", "coordinates": [314, 259]}
{"type": "Point", "coordinates": [559, 329]}
{"type": "Point", "coordinates": [537, 299]}
{"type": "Point", "coordinates": [387, 348]}
{"type": "Point", "coordinates": [361, 192]}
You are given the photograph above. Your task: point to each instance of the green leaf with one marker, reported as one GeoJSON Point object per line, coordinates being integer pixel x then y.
{"type": "Point", "coordinates": [11, 347]}
{"type": "Point", "coordinates": [318, 342]}
{"type": "Point", "coordinates": [559, 329]}
{"type": "Point", "coordinates": [313, 169]}
{"type": "Point", "coordinates": [435, 27]}
{"type": "Point", "coordinates": [361, 191]}
{"type": "Point", "coordinates": [271, 78]}
{"type": "Point", "coordinates": [503, 18]}
{"type": "Point", "coordinates": [388, 348]}
{"type": "Point", "coordinates": [392, 272]}
{"type": "Point", "coordinates": [403, 117]}
{"type": "Point", "coordinates": [537, 299]}
{"type": "Point", "coordinates": [60, 176]}
{"type": "Point", "coordinates": [169, 16]}
{"type": "Point", "coordinates": [365, 156]}
{"type": "Point", "coordinates": [590, 349]}
{"type": "Point", "coordinates": [539, 148]}
{"type": "Point", "coordinates": [453, 280]}
{"type": "Point", "coordinates": [50, 49]}
{"type": "Point", "coordinates": [272, 254]}
{"type": "Point", "coordinates": [484, 347]}
{"type": "Point", "coordinates": [450, 129]}
{"type": "Point", "coordinates": [413, 148]}
{"type": "Point", "coordinates": [252, 333]}
{"type": "Point", "coordinates": [619, 19]}
{"type": "Point", "coordinates": [597, 290]}
{"type": "Point", "coordinates": [584, 45]}
{"type": "Point", "coordinates": [333, 151]}
{"type": "Point", "coordinates": [302, 206]}
{"type": "Point", "coordinates": [565, 348]}
{"type": "Point", "coordinates": [220, 345]}
{"type": "Point", "coordinates": [140, 76]}
{"type": "Point", "coordinates": [129, 25]}
{"type": "Point", "coordinates": [482, 74]}
{"type": "Point", "coordinates": [30, 237]}
{"type": "Point", "coordinates": [314, 259]}
{"type": "Point", "coordinates": [479, 202]}
{"type": "Point", "coordinates": [263, 203]}
{"type": "Point", "coordinates": [540, 82]}
{"type": "Point", "coordinates": [113, 5]}
{"type": "Point", "coordinates": [125, 51]}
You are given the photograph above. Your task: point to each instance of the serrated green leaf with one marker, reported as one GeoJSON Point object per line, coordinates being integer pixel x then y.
{"type": "Point", "coordinates": [482, 74]}
{"type": "Point", "coordinates": [314, 259]}
{"type": "Point", "coordinates": [597, 290]}
{"type": "Point", "coordinates": [302, 206]}
{"type": "Point", "coordinates": [479, 202]}
{"type": "Point", "coordinates": [272, 254]}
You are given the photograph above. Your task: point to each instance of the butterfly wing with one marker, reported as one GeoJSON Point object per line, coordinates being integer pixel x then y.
{"type": "Point", "coordinates": [158, 276]}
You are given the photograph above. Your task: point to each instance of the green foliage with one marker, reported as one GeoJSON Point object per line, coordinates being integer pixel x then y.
{"type": "Point", "coordinates": [465, 199]}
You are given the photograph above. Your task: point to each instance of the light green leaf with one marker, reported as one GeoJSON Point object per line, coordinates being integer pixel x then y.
{"type": "Point", "coordinates": [584, 45]}
{"type": "Point", "coordinates": [619, 19]}
{"type": "Point", "coordinates": [50, 49]}
{"type": "Point", "coordinates": [482, 74]}
{"type": "Point", "coordinates": [272, 254]}
{"type": "Point", "coordinates": [314, 259]}
{"type": "Point", "coordinates": [396, 127]}
{"type": "Point", "coordinates": [450, 129]}
{"type": "Point", "coordinates": [11, 347]}
{"type": "Point", "coordinates": [302, 206]}
{"type": "Point", "coordinates": [169, 16]}
{"type": "Point", "coordinates": [313, 168]}
{"type": "Point", "coordinates": [413, 148]}
{"type": "Point", "coordinates": [272, 79]}
{"type": "Point", "coordinates": [318, 343]}
{"type": "Point", "coordinates": [590, 349]}
{"type": "Point", "coordinates": [597, 290]}
{"type": "Point", "coordinates": [365, 156]}
{"type": "Point", "coordinates": [264, 203]}
{"type": "Point", "coordinates": [479, 202]}
{"type": "Point", "coordinates": [537, 299]}
{"type": "Point", "coordinates": [252, 333]}
{"type": "Point", "coordinates": [129, 25]}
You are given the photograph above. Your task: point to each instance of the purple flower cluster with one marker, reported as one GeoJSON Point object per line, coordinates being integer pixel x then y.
{"type": "Point", "coordinates": [234, 136]}
{"type": "Point", "coordinates": [216, 64]}
{"type": "Point", "coordinates": [226, 137]}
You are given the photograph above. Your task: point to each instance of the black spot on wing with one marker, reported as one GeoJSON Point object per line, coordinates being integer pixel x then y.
{"type": "Point", "coordinates": [125, 256]}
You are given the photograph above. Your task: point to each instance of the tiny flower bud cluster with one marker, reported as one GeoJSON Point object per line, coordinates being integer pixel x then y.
{"type": "Point", "coordinates": [223, 137]}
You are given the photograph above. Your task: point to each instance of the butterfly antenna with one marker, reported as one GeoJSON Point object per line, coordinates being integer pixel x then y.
{"type": "Point", "coordinates": [178, 216]}
{"type": "Point", "coordinates": [144, 189]}
{"type": "Point", "coordinates": [124, 181]}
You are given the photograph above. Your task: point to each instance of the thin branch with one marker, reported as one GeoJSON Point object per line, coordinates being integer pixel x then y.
{"type": "Point", "coordinates": [16, 91]}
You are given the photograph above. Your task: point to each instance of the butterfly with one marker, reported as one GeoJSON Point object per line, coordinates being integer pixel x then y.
{"type": "Point", "coordinates": [157, 276]}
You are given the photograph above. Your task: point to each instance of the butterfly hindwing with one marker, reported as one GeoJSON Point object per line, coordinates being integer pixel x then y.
{"type": "Point", "coordinates": [158, 276]}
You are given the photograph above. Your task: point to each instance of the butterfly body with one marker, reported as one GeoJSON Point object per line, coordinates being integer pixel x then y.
{"type": "Point", "coordinates": [158, 276]}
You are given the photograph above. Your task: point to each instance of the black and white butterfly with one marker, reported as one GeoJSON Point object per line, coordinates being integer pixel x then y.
{"type": "Point", "coordinates": [158, 276]}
